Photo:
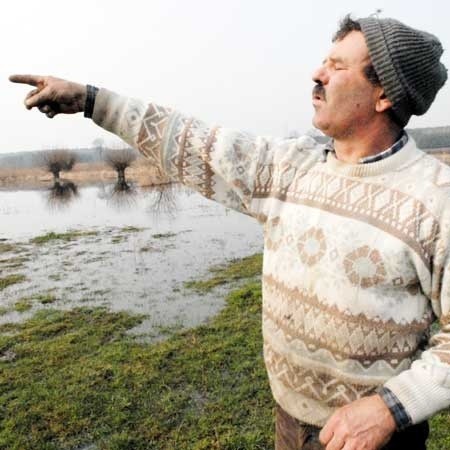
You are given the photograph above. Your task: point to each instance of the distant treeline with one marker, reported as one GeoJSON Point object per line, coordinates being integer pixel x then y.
{"type": "Point", "coordinates": [426, 138]}
{"type": "Point", "coordinates": [431, 138]}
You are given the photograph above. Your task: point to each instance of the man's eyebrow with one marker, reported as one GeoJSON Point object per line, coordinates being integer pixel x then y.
{"type": "Point", "coordinates": [334, 60]}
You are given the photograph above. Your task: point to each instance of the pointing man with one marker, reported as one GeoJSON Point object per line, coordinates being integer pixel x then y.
{"type": "Point", "coordinates": [357, 234]}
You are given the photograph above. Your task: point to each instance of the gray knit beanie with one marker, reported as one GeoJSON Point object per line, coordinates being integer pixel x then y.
{"type": "Point", "coordinates": [407, 64]}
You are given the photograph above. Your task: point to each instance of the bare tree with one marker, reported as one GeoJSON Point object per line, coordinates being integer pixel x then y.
{"type": "Point", "coordinates": [56, 161]}
{"type": "Point", "coordinates": [120, 160]}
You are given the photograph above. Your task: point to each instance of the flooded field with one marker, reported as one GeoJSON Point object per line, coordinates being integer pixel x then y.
{"type": "Point", "coordinates": [130, 255]}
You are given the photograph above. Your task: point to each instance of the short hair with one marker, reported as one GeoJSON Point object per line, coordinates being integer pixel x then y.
{"type": "Point", "coordinates": [346, 26]}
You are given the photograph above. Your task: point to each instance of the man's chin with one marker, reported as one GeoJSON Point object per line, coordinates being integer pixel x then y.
{"type": "Point", "coordinates": [321, 125]}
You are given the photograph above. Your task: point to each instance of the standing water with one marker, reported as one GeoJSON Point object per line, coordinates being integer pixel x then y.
{"type": "Point", "coordinates": [128, 258]}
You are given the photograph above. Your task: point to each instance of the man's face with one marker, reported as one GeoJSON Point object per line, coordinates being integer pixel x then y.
{"type": "Point", "coordinates": [343, 98]}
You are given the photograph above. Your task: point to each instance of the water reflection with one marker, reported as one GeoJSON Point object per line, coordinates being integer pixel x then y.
{"type": "Point", "coordinates": [122, 195]}
{"type": "Point", "coordinates": [61, 194]}
{"type": "Point", "coordinates": [163, 198]}
{"type": "Point", "coordinates": [160, 199]}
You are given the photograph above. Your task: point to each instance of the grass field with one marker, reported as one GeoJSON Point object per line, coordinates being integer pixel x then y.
{"type": "Point", "coordinates": [76, 378]}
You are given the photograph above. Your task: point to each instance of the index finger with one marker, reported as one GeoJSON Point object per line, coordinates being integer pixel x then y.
{"type": "Point", "coordinates": [33, 80]}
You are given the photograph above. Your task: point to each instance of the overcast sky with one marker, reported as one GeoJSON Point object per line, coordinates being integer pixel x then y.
{"type": "Point", "coordinates": [238, 63]}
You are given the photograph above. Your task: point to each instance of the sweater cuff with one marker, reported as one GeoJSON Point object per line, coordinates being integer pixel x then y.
{"type": "Point", "coordinates": [423, 390]}
{"type": "Point", "coordinates": [91, 93]}
{"type": "Point", "coordinates": [398, 411]}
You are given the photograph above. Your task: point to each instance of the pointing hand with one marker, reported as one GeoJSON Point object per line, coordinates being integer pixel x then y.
{"type": "Point", "coordinates": [52, 95]}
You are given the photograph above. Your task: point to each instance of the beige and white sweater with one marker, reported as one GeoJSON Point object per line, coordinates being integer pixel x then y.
{"type": "Point", "coordinates": [356, 257]}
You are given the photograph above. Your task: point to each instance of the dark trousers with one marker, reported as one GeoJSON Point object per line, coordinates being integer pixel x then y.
{"type": "Point", "coordinates": [291, 434]}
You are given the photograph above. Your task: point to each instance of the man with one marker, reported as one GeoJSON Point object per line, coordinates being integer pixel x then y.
{"type": "Point", "coordinates": [357, 234]}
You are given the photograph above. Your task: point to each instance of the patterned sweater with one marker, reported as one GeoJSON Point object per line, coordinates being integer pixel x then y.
{"type": "Point", "coordinates": [356, 257]}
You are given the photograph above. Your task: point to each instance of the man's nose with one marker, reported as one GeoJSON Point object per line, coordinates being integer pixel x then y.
{"type": "Point", "coordinates": [320, 75]}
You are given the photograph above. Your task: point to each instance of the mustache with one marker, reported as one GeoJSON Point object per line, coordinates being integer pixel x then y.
{"type": "Point", "coordinates": [319, 91]}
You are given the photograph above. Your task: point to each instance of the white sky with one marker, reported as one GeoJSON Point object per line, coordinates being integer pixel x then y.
{"type": "Point", "coordinates": [238, 63]}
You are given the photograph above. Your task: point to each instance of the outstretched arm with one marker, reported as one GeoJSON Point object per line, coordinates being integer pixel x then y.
{"type": "Point", "coordinates": [219, 163]}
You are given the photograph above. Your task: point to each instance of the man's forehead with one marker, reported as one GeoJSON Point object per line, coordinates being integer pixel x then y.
{"type": "Point", "coordinates": [352, 49]}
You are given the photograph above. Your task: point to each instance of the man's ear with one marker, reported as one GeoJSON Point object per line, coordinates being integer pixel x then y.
{"type": "Point", "coordinates": [383, 103]}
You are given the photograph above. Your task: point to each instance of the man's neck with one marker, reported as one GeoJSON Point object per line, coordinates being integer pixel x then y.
{"type": "Point", "coordinates": [352, 149]}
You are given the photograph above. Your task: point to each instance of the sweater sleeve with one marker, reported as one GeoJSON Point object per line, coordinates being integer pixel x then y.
{"type": "Point", "coordinates": [424, 389]}
{"type": "Point", "coordinates": [219, 163]}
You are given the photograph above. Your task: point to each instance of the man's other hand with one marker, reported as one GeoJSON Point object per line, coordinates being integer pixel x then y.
{"type": "Point", "coordinates": [52, 95]}
{"type": "Point", "coordinates": [365, 424]}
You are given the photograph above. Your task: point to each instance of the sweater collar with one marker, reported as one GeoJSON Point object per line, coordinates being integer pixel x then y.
{"type": "Point", "coordinates": [406, 154]}
{"type": "Point", "coordinates": [394, 148]}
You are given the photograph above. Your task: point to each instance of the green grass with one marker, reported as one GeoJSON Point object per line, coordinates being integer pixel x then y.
{"type": "Point", "coordinates": [131, 229]}
{"type": "Point", "coordinates": [79, 378]}
{"type": "Point", "coordinates": [22, 305]}
{"type": "Point", "coordinates": [6, 247]}
{"type": "Point", "coordinates": [439, 432]}
{"type": "Point", "coordinates": [163, 235]}
{"type": "Point", "coordinates": [4, 310]}
{"type": "Point", "coordinates": [10, 280]}
{"type": "Point", "coordinates": [26, 303]}
{"type": "Point", "coordinates": [65, 237]}
{"type": "Point", "coordinates": [238, 269]}
{"type": "Point", "coordinates": [45, 299]}
{"type": "Point", "coordinates": [15, 262]}
{"type": "Point", "coordinates": [55, 277]}
{"type": "Point", "coordinates": [147, 248]}
{"type": "Point", "coordinates": [118, 239]}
